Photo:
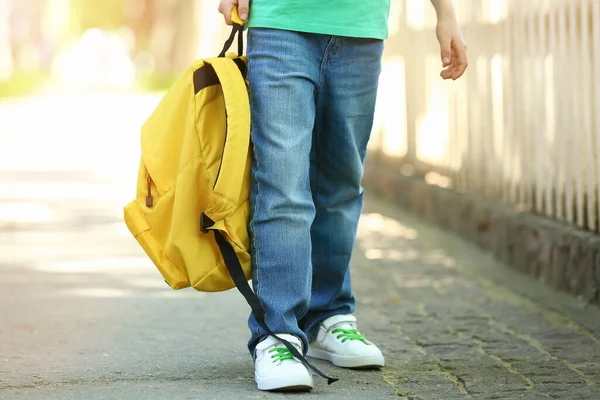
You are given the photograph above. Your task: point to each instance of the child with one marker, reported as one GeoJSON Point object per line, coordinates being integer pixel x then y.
{"type": "Point", "coordinates": [313, 70]}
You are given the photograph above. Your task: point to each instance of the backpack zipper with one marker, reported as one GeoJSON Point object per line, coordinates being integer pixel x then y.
{"type": "Point", "coordinates": [149, 198]}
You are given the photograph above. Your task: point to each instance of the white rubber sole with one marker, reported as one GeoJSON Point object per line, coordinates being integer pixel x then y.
{"type": "Point", "coordinates": [294, 383]}
{"type": "Point", "coordinates": [348, 361]}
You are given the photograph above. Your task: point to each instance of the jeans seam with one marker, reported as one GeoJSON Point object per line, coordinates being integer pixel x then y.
{"type": "Point", "coordinates": [256, 252]}
{"type": "Point", "coordinates": [324, 60]}
{"type": "Point", "coordinates": [316, 190]}
{"type": "Point", "coordinates": [317, 163]}
{"type": "Point", "coordinates": [255, 207]}
{"type": "Point", "coordinates": [317, 92]}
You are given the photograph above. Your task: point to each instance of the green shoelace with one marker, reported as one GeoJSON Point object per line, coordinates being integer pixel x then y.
{"type": "Point", "coordinates": [349, 334]}
{"type": "Point", "coordinates": [281, 354]}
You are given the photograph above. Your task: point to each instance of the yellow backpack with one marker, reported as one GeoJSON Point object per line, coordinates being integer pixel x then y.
{"type": "Point", "coordinates": [186, 143]}
{"type": "Point", "coordinates": [194, 179]}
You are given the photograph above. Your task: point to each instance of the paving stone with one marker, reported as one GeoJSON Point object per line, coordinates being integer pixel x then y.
{"type": "Point", "coordinates": [428, 385]}
{"type": "Point", "coordinates": [563, 391]}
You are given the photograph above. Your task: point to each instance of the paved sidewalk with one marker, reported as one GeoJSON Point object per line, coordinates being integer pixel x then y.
{"type": "Point", "coordinates": [456, 324]}
{"type": "Point", "coordinates": [85, 315]}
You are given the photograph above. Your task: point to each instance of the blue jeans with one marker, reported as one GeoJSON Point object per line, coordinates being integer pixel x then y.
{"type": "Point", "coordinates": [312, 102]}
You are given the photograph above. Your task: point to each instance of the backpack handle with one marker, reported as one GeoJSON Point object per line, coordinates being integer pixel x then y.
{"type": "Point", "coordinates": [226, 192]}
{"type": "Point", "coordinates": [235, 16]}
{"type": "Point", "coordinates": [238, 28]}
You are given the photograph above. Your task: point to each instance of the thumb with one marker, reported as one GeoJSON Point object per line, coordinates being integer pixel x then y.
{"type": "Point", "coordinates": [243, 9]}
{"type": "Point", "coordinates": [446, 48]}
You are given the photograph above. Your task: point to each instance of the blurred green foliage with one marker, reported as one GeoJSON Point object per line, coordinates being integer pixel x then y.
{"type": "Point", "coordinates": [155, 82]}
{"type": "Point", "coordinates": [23, 83]}
{"type": "Point", "coordinates": [158, 37]}
{"type": "Point", "coordinates": [107, 14]}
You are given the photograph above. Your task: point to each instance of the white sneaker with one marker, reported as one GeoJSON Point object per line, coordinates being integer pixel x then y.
{"type": "Point", "coordinates": [275, 368]}
{"type": "Point", "coordinates": [339, 342]}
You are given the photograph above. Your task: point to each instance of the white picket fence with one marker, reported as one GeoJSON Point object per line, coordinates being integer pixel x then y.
{"type": "Point", "coordinates": [522, 126]}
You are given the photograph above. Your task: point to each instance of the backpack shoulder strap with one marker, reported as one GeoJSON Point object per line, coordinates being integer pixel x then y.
{"type": "Point", "coordinates": [226, 193]}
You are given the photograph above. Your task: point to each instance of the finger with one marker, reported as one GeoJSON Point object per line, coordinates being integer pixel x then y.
{"type": "Point", "coordinates": [244, 9]}
{"type": "Point", "coordinates": [446, 73]}
{"type": "Point", "coordinates": [461, 62]}
{"type": "Point", "coordinates": [459, 71]}
{"type": "Point", "coordinates": [225, 8]}
{"type": "Point", "coordinates": [446, 51]}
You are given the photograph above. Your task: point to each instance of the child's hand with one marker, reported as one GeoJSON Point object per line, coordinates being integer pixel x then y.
{"type": "Point", "coordinates": [453, 48]}
{"type": "Point", "coordinates": [226, 6]}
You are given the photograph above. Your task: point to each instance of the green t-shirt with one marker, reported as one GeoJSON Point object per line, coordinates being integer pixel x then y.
{"type": "Point", "coordinates": [353, 18]}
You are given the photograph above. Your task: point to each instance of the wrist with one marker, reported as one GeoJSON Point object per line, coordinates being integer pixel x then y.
{"type": "Point", "coordinates": [444, 9]}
